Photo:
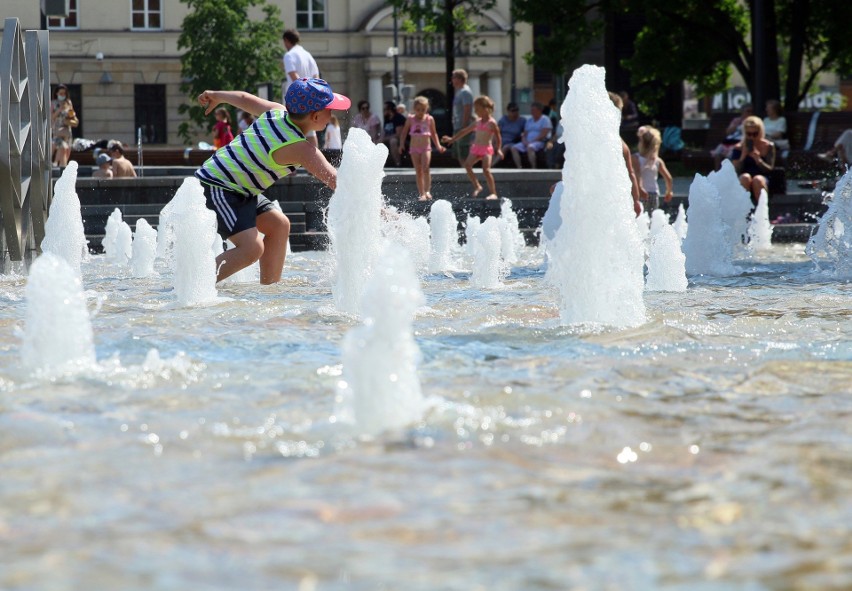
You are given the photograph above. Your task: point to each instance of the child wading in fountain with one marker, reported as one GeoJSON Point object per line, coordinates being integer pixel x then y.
{"type": "Point", "coordinates": [486, 129]}
{"type": "Point", "coordinates": [421, 127]}
{"type": "Point", "coordinates": [270, 148]}
{"type": "Point", "coordinates": [650, 166]}
{"type": "Point", "coordinates": [222, 134]}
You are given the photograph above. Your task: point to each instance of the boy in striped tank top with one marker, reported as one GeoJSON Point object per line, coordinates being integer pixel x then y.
{"type": "Point", "coordinates": [272, 147]}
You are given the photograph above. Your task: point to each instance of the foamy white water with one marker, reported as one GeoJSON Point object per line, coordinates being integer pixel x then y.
{"type": "Point", "coordinates": [680, 225]}
{"type": "Point", "coordinates": [112, 250]}
{"type": "Point", "coordinates": [666, 262]}
{"type": "Point", "coordinates": [707, 246]}
{"type": "Point", "coordinates": [64, 235]}
{"type": "Point", "coordinates": [759, 227]}
{"type": "Point", "coordinates": [144, 249]}
{"type": "Point", "coordinates": [596, 261]}
{"type": "Point", "coordinates": [488, 266]}
{"type": "Point", "coordinates": [832, 242]}
{"type": "Point", "coordinates": [659, 220]}
{"type": "Point", "coordinates": [354, 218]}
{"type": "Point", "coordinates": [444, 237]}
{"type": "Point", "coordinates": [194, 227]}
{"type": "Point", "coordinates": [58, 332]}
{"type": "Point", "coordinates": [380, 389]}
{"type": "Point", "coordinates": [735, 205]}
{"type": "Point", "coordinates": [512, 237]}
{"type": "Point", "coordinates": [412, 233]}
{"type": "Point", "coordinates": [471, 227]}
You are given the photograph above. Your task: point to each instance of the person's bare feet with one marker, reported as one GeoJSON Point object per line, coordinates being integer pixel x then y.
{"type": "Point", "coordinates": [492, 197]}
{"type": "Point", "coordinates": [475, 193]}
{"type": "Point", "coordinates": [422, 198]}
{"type": "Point", "coordinates": [428, 196]}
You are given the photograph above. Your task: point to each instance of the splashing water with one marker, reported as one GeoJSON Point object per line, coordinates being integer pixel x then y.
{"type": "Point", "coordinates": [380, 388]}
{"type": "Point", "coordinates": [64, 235]}
{"type": "Point", "coordinates": [110, 240]}
{"type": "Point", "coordinates": [471, 227]}
{"type": "Point", "coordinates": [58, 334]}
{"type": "Point", "coordinates": [144, 249]}
{"type": "Point", "coordinates": [194, 263]}
{"type": "Point", "coordinates": [488, 268]}
{"type": "Point", "coordinates": [597, 262]}
{"type": "Point", "coordinates": [759, 228]}
{"type": "Point", "coordinates": [735, 205]}
{"type": "Point", "coordinates": [412, 233]}
{"type": "Point", "coordinates": [833, 239]}
{"type": "Point", "coordinates": [680, 225]}
{"type": "Point", "coordinates": [354, 218]}
{"type": "Point", "coordinates": [666, 263]}
{"type": "Point", "coordinates": [512, 237]}
{"type": "Point", "coordinates": [643, 227]}
{"type": "Point", "coordinates": [659, 220]}
{"type": "Point", "coordinates": [123, 244]}
{"type": "Point", "coordinates": [445, 237]}
{"type": "Point", "coordinates": [707, 249]}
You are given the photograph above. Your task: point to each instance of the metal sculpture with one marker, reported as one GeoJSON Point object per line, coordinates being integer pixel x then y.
{"type": "Point", "coordinates": [25, 140]}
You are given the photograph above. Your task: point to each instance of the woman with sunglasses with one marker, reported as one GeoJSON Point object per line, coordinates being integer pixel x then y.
{"type": "Point", "coordinates": [367, 121]}
{"type": "Point", "coordinates": [754, 157]}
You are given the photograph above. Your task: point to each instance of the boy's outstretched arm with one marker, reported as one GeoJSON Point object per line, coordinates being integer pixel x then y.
{"type": "Point", "coordinates": [309, 158]}
{"type": "Point", "coordinates": [210, 99]}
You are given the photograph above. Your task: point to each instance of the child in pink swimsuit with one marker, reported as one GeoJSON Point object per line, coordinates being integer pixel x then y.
{"type": "Point", "coordinates": [421, 128]}
{"type": "Point", "coordinates": [486, 130]}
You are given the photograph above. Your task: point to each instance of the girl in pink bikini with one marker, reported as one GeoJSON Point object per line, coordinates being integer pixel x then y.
{"type": "Point", "coordinates": [486, 130]}
{"type": "Point", "coordinates": [421, 127]}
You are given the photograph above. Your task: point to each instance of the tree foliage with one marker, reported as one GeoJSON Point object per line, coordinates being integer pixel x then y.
{"type": "Point", "coordinates": [450, 18]}
{"type": "Point", "coordinates": [702, 42]}
{"type": "Point", "coordinates": [225, 49]}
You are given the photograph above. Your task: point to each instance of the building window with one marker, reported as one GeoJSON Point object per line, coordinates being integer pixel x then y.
{"type": "Point", "coordinates": [146, 14]}
{"type": "Point", "coordinates": [68, 22]}
{"type": "Point", "coordinates": [149, 108]}
{"type": "Point", "coordinates": [310, 14]}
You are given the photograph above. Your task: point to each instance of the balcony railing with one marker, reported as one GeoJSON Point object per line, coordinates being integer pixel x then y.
{"type": "Point", "coordinates": [433, 45]}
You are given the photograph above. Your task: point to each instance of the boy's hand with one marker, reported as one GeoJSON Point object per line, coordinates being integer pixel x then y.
{"type": "Point", "coordinates": [668, 197]}
{"type": "Point", "coordinates": [208, 100]}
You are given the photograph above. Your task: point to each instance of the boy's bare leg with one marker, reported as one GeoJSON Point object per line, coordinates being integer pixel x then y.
{"type": "Point", "coordinates": [276, 229]}
{"type": "Point", "coordinates": [248, 248]}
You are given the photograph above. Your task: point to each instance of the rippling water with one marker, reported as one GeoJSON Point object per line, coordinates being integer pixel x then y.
{"type": "Point", "coordinates": [710, 448]}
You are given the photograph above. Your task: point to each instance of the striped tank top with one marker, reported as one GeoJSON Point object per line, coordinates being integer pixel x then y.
{"type": "Point", "coordinates": [245, 166]}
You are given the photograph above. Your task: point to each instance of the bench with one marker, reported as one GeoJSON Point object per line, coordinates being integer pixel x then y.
{"type": "Point", "coordinates": [810, 134]}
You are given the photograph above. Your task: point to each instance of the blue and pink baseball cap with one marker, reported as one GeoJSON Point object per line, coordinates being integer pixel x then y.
{"type": "Point", "coordinates": [308, 95]}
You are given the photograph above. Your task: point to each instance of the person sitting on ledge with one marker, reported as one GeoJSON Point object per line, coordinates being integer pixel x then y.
{"type": "Point", "coordinates": [121, 166]}
{"type": "Point", "coordinates": [842, 149]}
{"type": "Point", "coordinates": [235, 177]}
{"type": "Point", "coordinates": [103, 170]}
{"type": "Point", "coordinates": [536, 130]}
{"type": "Point", "coordinates": [754, 158]}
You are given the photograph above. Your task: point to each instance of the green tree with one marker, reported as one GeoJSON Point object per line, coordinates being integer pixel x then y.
{"type": "Point", "coordinates": [225, 49]}
{"type": "Point", "coordinates": [451, 18]}
{"type": "Point", "coordinates": [701, 42]}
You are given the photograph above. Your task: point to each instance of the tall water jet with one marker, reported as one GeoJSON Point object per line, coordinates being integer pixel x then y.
{"type": "Point", "coordinates": [643, 227]}
{"type": "Point", "coordinates": [488, 268]}
{"type": "Point", "coordinates": [512, 237]}
{"type": "Point", "coordinates": [64, 235]}
{"type": "Point", "coordinates": [735, 204]}
{"type": "Point", "coordinates": [596, 260]}
{"type": "Point", "coordinates": [110, 240]}
{"type": "Point", "coordinates": [123, 244]}
{"type": "Point", "coordinates": [194, 265]}
{"type": "Point", "coordinates": [144, 249]}
{"type": "Point", "coordinates": [833, 239]}
{"type": "Point", "coordinates": [707, 246]}
{"type": "Point", "coordinates": [552, 220]}
{"type": "Point", "coordinates": [471, 227]}
{"type": "Point", "coordinates": [354, 218]}
{"type": "Point", "coordinates": [659, 220]}
{"type": "Point", "coordinates": [680, 225]}
{"type": "Point", "coordinates": [58, 334]}
{"type": "Point", "coordinates": [666, 262]}
{"type": "Point", "coordinates": [759, 228]}
{"type": "Point", "coordinates": [379, 389]}
{"type": "Point", "coordinates": [444, 237]}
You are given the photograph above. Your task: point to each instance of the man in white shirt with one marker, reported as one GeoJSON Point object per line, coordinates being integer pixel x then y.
{"type": "Point", "coordinates": [298, 63]}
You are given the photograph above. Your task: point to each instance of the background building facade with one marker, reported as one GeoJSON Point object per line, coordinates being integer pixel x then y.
{"type": "Point", "coordinates": [122, 65]}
